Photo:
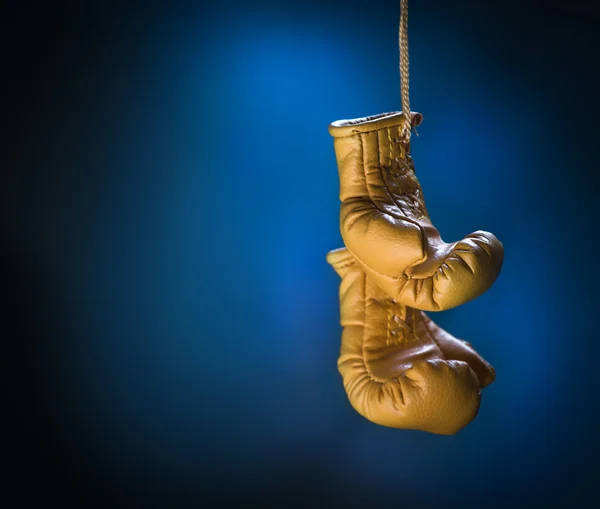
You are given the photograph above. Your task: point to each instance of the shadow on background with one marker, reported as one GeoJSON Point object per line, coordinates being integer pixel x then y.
{"type": "Point", "coordinates": [169, 192]}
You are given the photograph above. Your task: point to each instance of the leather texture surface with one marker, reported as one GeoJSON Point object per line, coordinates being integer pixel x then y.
{"type": "Point", "coordinates": [385, 224]}
{"type": "Point", "coordinates": [400, 369]}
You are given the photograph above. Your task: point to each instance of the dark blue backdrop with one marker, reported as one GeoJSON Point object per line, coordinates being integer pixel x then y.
{"type": "Point", "coordinates": [170, 195]}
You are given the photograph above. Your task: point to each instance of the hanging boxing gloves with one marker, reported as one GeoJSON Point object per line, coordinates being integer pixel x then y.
{"type": "Point", "coordinates": [399, 369]}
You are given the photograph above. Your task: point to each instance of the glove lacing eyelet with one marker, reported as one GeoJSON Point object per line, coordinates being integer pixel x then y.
{"type": "Point", "coordinates": [402, 327]}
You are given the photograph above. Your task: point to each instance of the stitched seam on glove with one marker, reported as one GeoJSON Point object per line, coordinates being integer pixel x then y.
{"type": "Point", "coordinates": [374, 202]}
{"type": "Point", "coordinates": [398, 278]}
{"type": "Point", "coordinates": [424, 244]}
{"type": "Point", "coordinates": [390, 194]}
{"type": "Point", "coordinates": [391, 168]}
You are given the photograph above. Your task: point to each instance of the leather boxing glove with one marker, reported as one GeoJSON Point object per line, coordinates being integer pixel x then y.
{"type": "Point", "coordinates": [399, 369]}
{"type": "Point", "coordinates": [385, 224]}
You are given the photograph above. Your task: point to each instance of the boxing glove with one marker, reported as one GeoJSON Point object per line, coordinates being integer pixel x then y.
{"type": "Point", "coordinates": [398, 368]}
{"type": "Point", "coordinates": [385, 224]}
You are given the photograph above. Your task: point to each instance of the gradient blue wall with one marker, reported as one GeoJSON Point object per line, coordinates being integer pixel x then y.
{"type": "Point", "coordinates": [175, 199]}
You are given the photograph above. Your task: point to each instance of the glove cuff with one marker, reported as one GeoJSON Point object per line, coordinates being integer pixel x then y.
{"type": "Point", "coordinates": [343, 128]}
{"type": "Point", "coordinates": [341, 260]}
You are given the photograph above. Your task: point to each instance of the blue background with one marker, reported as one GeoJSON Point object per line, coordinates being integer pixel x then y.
{"type": "Point", "coordinates": [169, 197]}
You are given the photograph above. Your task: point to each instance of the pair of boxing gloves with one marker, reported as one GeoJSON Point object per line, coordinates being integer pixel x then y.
{"type": "Point", "coordinates": [399, 369]}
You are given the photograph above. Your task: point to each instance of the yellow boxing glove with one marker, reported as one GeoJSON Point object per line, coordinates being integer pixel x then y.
{"type": "Point", "coordinates": [399, 369]}
{"type": "Point", "coordinates": [385, 225]}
